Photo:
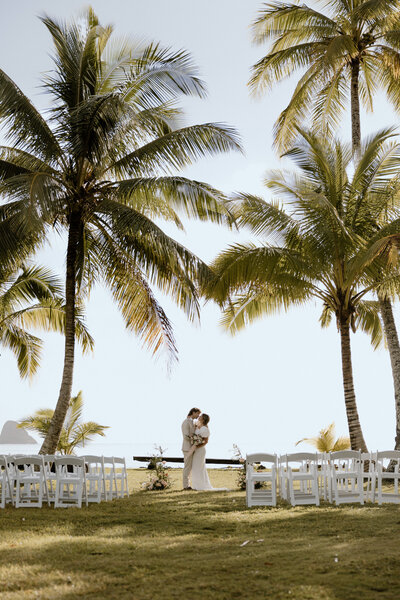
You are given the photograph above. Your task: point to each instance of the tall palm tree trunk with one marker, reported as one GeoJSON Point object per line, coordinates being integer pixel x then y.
{"type": "Point", "coordinates": [53, 435]}
{"type": "Point", "coordinates": [355, 107]}
{"type": "Point", "coordinates": [353, 420]}
{"type": "Point", "coordinates": [389, 325]}
{"type": "Point", "coordinates": [394, 351]}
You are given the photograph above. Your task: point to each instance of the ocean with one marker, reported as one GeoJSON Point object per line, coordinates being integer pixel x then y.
{"type": "Point", "coordinates": [123, 449]}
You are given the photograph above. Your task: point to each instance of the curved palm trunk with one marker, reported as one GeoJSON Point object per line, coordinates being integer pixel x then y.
{"type": "Point", "coordinates": [385, 305]}
{"type": "Point", "coordinates": [353, 420]}
{"type": "Point", "coordinates": [394, 351]}
{"type": "Point", "coordinates": [53, 435]}
{"type": "Point", "coordinates": [355, 107]}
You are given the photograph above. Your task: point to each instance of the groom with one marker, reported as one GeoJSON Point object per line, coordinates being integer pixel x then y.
{"type": "Point", "coordinates": [188, 428]}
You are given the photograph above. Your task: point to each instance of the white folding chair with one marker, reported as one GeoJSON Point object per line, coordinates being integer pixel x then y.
{"type": "Point", "coordinates": [346, 477]}
{"type": "Point", "coordinates": [6, 484]}
{"type": "Point", "coordinates": [323, 474]}
{"type": "Point", "coordinates": [29, 481]}
{"type": "Point", "coordinates": [381, 475]}
{"type": "Point", "coordinates": [299, 478]}
{"type": "Point", "coordinates": [70, 482]}
{"type": "Point", "coordinates": [50, 476]}
{"type": "Point", "coordinates": [109, 478]}
{"type": "Point", "coordinates": [95, 478]}
{"type": "Point", "coordinates": [120, 477]}
{"type": "Point", "coordinates": [266, 495]}
{"type": "Point", "coordinates": [368, 459]}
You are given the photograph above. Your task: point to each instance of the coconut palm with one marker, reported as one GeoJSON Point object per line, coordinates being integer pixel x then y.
{"type": "Point", "coordinates": [351, 50]}
{"type": "Point", "coordinates": [102, 167]}
{"type": "Point", "coordinates": [325, 440]}
{"type": "Point", "coordinates": [348, 48]}
{"type": "Point", "coordinates": [73, 434]}
{"type": "Point", "coordinates": [322, 252]}
{"type": "Point", "coordinates": [30, 298]}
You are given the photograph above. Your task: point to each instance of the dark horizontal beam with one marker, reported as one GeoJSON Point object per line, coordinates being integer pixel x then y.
{"type": "Point", "coordinates": [175, 459]}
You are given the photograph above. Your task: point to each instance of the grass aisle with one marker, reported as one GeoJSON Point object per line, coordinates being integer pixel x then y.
{"type": "Point", "coordinates": [176, 545]}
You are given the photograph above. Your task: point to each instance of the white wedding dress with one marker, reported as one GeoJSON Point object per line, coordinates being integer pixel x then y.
{"type": "Point", "coordinates": [200, 480]}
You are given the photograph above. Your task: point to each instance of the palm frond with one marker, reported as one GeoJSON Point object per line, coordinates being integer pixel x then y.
{"type": "Point", "coordinates": [24, 125]}
{"type": "Point", "coordinates": [176, 150]}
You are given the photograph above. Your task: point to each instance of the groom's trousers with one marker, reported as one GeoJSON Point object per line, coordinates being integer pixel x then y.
{"type": "Point", "coordinates": [187, 468]}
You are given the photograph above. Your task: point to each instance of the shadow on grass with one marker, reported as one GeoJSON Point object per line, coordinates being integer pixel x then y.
{"type": "Point", "coordinates": [176, 544]}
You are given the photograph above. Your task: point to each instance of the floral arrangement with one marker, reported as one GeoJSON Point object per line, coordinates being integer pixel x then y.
{"type": "Point", "coordinates": [159, 480]}
{"type": "Point", "coordinates": [241, 473]}
{"type": "Point", "coordinates": [196, 439]}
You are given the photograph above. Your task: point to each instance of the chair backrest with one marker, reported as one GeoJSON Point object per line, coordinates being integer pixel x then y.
{"type": "Point", "coordinates": [388, 455]}
{"type": "Point", "coordinates": [24, 466]}
{"type": "Point", "coordinates": [345, 455]}
{"type": "Point", "coordinates": [108, 463]}
{"type": "Point", "coordinates": [301, 458]}
{"type": "Point", "coordinates": [26, 461]}
{"type": "Point", "coordinates": [261, 458]}
{"type": "Point", "coordinates": [368, 456]}
{"type": "Point", "coordinates": [346, 460]}
{"type": "Point", "coordinates": [92, 459]}
{"type": "Point", "coordinates": [94, 464]}
{"type": "Point", "coordinates": [69, 461]}
{"type": "Point", "coordinates": [383, 458]}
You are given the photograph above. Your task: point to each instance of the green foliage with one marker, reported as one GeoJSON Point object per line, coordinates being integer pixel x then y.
{"type": "Point", "coordinates": [74, 433]}
{"type": "Point", "coordinates": [159, 479]}
{"type": "Point", "coordinates": [325, 441]}
{"type": "Point", "coordinates": [109, 156]}
{"type": "Point", "coordinates": [325, 46]}
{"type": "Point", "coordinates": [30, 298]}
{"type": "Point", "coordinates": [329, 245]}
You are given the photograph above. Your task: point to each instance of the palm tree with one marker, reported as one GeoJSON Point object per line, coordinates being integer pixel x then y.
{"type": "Point", "coordinates": [103, 167]}
{"type": "Point", "coordinates": [323, 253]}
{"type": "Point", "coordinates": [30, 298]}
{"type": "Point", "coordinates": [325, 440]}
{"type": "Point", "coordinates": [354, 48]}
{"type": "Point", "coordinates": [73, 434]}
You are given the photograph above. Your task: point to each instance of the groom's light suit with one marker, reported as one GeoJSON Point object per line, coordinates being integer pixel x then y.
{"type": "Point", "coordinates": [187, 430]}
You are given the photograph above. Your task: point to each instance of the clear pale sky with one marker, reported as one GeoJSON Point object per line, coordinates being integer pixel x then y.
{"type": "Point", "coordinates": [274, 383]}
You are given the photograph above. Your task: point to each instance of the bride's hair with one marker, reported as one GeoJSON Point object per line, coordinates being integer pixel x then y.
{"type": "Point", "coordinates": [205, 418]}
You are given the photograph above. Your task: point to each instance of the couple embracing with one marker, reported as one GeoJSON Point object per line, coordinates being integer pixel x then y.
{"type": "Point", "coordinates": [196, 433]}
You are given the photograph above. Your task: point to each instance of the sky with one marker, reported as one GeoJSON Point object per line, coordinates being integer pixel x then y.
{"type": "Point", "coordinates": [272, 384]}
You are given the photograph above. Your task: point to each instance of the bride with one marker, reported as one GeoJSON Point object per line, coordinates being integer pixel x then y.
{"type": "Point", "coordinates": [200, 480]}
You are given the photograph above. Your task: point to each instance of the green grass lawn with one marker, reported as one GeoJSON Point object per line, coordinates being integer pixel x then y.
{"type": "Point", "coordinates": [178, 545]}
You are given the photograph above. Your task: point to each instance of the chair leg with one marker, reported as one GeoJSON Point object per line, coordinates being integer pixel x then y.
{"type": "Point", "coordinates": [380, 488]}
{"type": "Point", "coordinates": [360, 482]}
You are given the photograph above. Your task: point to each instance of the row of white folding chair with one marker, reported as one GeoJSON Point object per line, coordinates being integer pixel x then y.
{"type": "Point", "coordinates": [105, 478]}
{"type": "Point", "coordinates": [304, 477]}
{"type": "Point", "coordinates": [356, 476]}
{"type": "Point", "coordinates": [29, 480]}
{"type": "Point", "coordinates": [62, 480]}
{"type": "Point", "coordinates": [346, 476]}
{"type": "Point", "coordinates": [297, 475]}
